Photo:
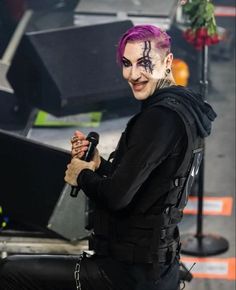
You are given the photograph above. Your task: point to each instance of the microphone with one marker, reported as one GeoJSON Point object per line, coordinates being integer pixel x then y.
{"type": "Point", "coordinates": [93, 139]}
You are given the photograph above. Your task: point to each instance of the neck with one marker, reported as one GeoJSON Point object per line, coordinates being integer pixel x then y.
{"type": "Point", "coordinates": [163, 83]}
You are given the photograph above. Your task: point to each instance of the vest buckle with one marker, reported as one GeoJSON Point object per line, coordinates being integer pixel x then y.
{"type": "Point", "coordinates": [179, 181]}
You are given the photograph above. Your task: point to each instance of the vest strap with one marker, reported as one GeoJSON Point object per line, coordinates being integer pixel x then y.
{"type": "Point", "coordinates": [133, 253]}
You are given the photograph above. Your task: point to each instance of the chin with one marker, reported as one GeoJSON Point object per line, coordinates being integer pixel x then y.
{"type": "Point", "coordinates": [140, 96]}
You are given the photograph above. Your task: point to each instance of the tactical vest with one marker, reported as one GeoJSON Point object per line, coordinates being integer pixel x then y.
{"type": "Point", "coordinates": [142, 236]}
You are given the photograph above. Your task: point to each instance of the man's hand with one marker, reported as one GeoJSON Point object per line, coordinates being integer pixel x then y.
{"type": "Point", "coordinates": [96, 159]}
{"type": "Point", "coordinates": [79, 145]}
{"type": "Point", "coordinates": [74, 168]}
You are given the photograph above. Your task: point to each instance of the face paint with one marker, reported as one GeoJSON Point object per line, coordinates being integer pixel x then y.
{"type": "Point", "coordinates": [143, 67]}
{"type": "Point", "coordinates": [147, 63]}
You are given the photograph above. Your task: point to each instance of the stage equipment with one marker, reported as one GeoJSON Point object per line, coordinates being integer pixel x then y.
{"type": "Point", "coordinates": [13, 116]}
{"type": "Point", "coordinates": [13, 120]}
{"type": "Point", "coordinates": [52, 5]}
{"type": "Point", "coordinates": [32, 179]}
{"type": "Point", "coordinates": [70, 70]}
{"type": "Point", "coordinates": [159, 13]}
{"type": "Point", "coordinates": [70, 216]}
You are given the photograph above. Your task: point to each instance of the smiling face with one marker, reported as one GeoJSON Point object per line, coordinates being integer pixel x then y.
{"type": "Point", "coordinates": [143, 67]}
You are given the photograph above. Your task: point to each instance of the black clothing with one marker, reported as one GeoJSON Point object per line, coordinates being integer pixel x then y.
{"type": "Point", "coordinates": [143, 143]}
{"type": "Point", "coordinates": [132, 196]}
{"type": "Point", "coordinates": [156, 129]}
{"type": "Point", "coordinates": [122, 276]}
{"type": "Point", "coordinates": [38, 272]}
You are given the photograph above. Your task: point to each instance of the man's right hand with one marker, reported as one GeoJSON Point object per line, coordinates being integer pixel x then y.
{"type": "Point", "coordinates": [79, 145]}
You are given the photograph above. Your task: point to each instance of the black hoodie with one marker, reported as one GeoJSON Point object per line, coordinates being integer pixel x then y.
{"type": "Point", "coordinates": [202, 112]}
{"type": "Point", "coordinates": [149, 152]}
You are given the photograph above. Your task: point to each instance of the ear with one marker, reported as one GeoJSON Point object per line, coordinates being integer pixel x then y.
{"type": "Point", "coordinates": [168, 60]}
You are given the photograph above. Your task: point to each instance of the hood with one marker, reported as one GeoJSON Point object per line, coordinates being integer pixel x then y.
{"type": "Point", "coordinates": [202, 111]}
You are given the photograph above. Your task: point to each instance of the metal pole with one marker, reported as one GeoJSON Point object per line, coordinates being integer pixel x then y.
{"type": "Point", "coordinates": [11, 49]}
{"type": "Point", "coordinates": [200, 244]}
{"type": "Point", "coordinates": [204, 92]}
{"type": "Point", "coordinates": [204, 73]}
{"type": "Point", "coordinates": [13, 44]}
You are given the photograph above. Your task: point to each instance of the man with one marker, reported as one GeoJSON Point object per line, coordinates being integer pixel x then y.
{"type": "Point", "coordinates": [140, 193]}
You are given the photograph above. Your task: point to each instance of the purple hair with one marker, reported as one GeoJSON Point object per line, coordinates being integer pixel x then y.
{"type": "Point", "coordinates": [144, 32]}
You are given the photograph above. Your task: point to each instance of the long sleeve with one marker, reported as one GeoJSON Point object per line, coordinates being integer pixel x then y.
{"type": "Point", "coordinates": [150, 140]}
{"type": "Point", "coordinates": [104, 168]}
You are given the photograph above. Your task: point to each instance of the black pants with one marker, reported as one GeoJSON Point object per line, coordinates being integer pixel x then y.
{"type": "Point", "coordinates": [38, 272]}
{"type": "Point", "coordinates": [49, 272]}
{"type": "Point", "coordinates": [104, 273]}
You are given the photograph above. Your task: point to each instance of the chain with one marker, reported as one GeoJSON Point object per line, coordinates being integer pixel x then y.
{"type": "Point", "coordinates": [77, 273]}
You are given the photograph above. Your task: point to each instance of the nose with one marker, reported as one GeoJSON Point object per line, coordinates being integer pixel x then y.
{"type": "Point", "coordinates": [135, 73]}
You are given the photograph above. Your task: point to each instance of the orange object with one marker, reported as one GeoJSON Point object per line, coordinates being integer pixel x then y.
{"type": "Point", "coordinates": [212, 268]}
{"type": "Point", "coordinates": [211, 205]}
{"type": "Point", "coordinates": [180, 72]}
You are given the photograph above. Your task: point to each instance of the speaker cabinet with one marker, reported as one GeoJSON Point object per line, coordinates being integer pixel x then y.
{"type": "Point", "coordinates": [32, 179]}
{"type": "Point", "coordinates": [70, 70]}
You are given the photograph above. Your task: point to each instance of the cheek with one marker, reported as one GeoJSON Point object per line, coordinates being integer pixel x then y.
{"type": "Point", "coordinates": [125, 73]}
{"type": "Point", "coordinates": [153, 77]}
{"type": "Point", "coordinates": [159, 72]}
{"type": "Point", "coordinates": [156, 75]}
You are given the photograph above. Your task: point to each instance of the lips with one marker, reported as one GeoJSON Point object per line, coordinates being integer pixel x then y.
{"type": "Point", "coordinates": [137, 87]}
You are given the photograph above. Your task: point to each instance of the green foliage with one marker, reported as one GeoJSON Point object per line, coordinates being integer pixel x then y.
{"type": "Point", "coordinates": [201, 14]}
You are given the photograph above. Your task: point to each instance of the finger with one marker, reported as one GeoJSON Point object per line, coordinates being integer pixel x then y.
{"type": "Point", "coordinates": [79, 149]}
{"type": "Point", "coordinates": [79, 135]}
{"type": "Point", "coordinates": [77, 155]}
{"type": "Point", "coordinates": [79, 143]}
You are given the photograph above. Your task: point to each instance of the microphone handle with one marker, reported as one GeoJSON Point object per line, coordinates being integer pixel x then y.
{"type": "Point", "coordinates": [74, 191]}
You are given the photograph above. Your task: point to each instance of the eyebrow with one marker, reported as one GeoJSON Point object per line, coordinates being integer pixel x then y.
{"type": "Point", "coordinates": [141, 58]}
{"type": "Point", "coordinates": [144, 57]}
{"type": "Point", "coordinates": [124, 58]}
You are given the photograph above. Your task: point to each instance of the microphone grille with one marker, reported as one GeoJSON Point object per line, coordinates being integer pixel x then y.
{"type": "Point", "coordinates": [93, 137]}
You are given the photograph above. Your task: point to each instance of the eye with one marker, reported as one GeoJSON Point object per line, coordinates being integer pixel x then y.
{"type": "Point", "coordinates": [126, 63]}
{"type": "Point", "coordinates": [145, 63]}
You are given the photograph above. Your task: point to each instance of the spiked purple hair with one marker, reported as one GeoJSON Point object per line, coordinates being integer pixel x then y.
{"type": "Point", "coordinates": [144, 32]}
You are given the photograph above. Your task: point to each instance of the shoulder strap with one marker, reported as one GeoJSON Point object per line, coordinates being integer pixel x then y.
{"type": "Point", "coordinates": [188, 169]}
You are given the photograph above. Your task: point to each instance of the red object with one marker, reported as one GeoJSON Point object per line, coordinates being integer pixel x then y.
{"type": "Point", "coordinates": [200, 37]}
{"type": "Point", "coordinates": [201, 32]}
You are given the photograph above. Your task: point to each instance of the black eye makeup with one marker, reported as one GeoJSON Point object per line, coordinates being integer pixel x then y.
{"type": "Point", "coordinates": [146, 59]}
{"type": "Point", "coordinates": [126, 62]}
{"type": "Point", "coordinates": [145, 62]}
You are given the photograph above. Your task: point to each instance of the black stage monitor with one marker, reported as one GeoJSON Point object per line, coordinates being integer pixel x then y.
{"type": "Point", "coordinates": [70, 70]}
{"type": "Point", "coordinates": [31, 180]}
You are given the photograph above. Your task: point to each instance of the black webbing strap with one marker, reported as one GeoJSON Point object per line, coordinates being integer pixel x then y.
{"type": "Point", "coordinates": [194, 146]}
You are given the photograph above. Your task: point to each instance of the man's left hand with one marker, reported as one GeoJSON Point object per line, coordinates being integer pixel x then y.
{"type": "Point", "coordinates": [74, 168]}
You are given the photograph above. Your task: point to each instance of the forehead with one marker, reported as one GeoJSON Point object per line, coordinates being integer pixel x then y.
{"type": "Point", "coordinates": [136, 49]}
